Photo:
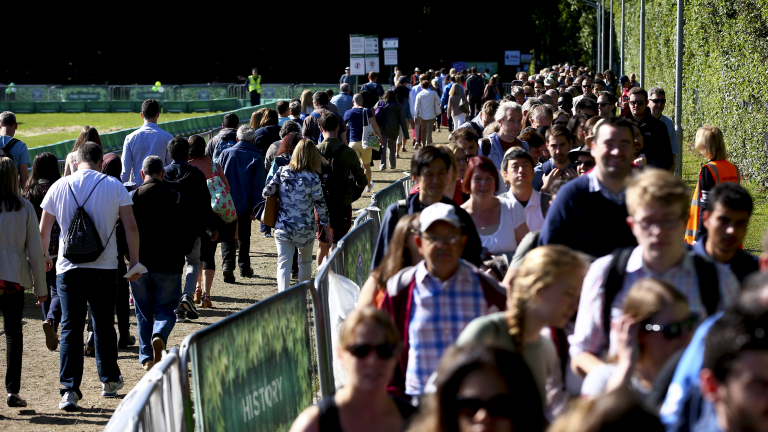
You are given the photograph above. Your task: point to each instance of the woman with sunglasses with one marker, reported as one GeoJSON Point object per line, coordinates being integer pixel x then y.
{"type": "Point", "coordinates": [655, 324]}
{"type": "Point", "coordinates": [561, 117]}
{"type": "Point", "coordinates": [481, 387]}
{"type": "Point", "coordinates": [368, 348]}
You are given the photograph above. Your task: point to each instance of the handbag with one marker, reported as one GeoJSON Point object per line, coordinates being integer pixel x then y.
{"type": "Point", "coordinates": [370, 139]}
{"type": "Point", "coordinates": [221, 200]}
{"type": "Point", "coordinates": [266, 211]}
{"type": "Point", "coordinates": [464, 106]}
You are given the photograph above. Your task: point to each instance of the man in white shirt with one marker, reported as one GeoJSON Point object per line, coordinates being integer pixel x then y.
{"type": "Point", "coordinates": [425, 111]}
{"type": "Point", "coordinates": [517, 169]}
{"type": "Point", "coordinates": [148, 140]}
{"type": "Point", "coordinates": [94, 283]}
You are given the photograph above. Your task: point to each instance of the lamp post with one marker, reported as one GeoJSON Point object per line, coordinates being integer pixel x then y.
{"type": "Point", "coordinates": [622, 38]}
{"type": "Point", "coordinates": [610, 39]}
{"type": "Point", "coordinates": [642, 43]}
{"type": "Point", "coordinates": [596, 6]}
{"type": "Point", "coordinates": [679, 89]}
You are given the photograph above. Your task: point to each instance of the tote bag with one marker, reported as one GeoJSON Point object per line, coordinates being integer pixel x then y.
{"type": "Point", "coordinates": [221, 200]}
{"type": "Point", "coordinates": [370, 140]}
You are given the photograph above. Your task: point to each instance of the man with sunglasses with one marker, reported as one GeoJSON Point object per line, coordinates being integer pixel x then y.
{"type": "Point", "coordinates": [586, 88]}
{"type": "Point", "coordinates": [656, 145]}
{"type": "Point", "coordinates": [657, 205]}
{"type": "Point", "coordinates": [565, 102]}
{"type": "Point", "coordinates": [657, 100]}
{"type": "Point", "coordinates": [606, 104]}
{"type": "Point", "coordinates": [443, 294]}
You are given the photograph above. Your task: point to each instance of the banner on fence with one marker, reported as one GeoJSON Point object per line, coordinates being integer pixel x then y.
{"type": "Point", "coordinates": [389, 195]}
{"type": "Point", "coordinates": [255, 372]}
{"type": "Point", "coordinates": [357, 251]}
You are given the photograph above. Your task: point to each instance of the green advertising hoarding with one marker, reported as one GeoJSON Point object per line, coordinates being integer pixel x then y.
{"type": "Point", "coordinates": [358, 252]}
{"type": "Point", "coordinates": [482, 66]}
{"type": "Point", "coordinates": [254, 373]}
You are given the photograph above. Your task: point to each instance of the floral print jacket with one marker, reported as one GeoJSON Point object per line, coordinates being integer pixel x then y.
{"type": "Point", "coordinates": [300, 193]}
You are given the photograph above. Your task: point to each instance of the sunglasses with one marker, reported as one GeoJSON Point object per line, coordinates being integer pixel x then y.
{"type": "Point", "coordinates": [384, 351]}
{"type": "Point", "coordinates": [634, 102]}
{"type": "Point", "coordinates": [587, 164]}
{"type": "Point", "coordinates": [603, 104]}
{"type": "Point", "coordinates": [586, 86]}
{"type": "Point", "coordinates": [562, 123]}
{"type": "Point", "coordinates": [674, 330]}
{"type": "Point", "coordinates": [659, 101]}
{"type": "Point", "coordinates": [497, 406]}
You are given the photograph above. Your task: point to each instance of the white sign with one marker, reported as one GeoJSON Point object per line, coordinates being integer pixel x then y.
{"type": "Point", "coordinates": [357, 65]}
{"type": "Point", "coordinates": [356, 44]}
{"type": "Point", "coordinates": [372, 45]}
{"type": "Point", "coordinates": [390, 57]}
{"type": "Point", "coordinates": [371, 64]}
{"type": "Point", "coordinates": [511, 58]}
{"type": "Point", "coordinates": [390, 43]}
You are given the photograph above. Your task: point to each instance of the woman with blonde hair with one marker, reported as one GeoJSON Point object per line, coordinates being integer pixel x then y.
{"type": "Point", "coordinates": [402, 252]}
{"type": "Point", "coordinates": [655, 324]}
{"type": "Point", "coordinates": [88, 133]}
{"type": "Point", "coordinates": [306, 102]}
{"type": "Point", "coordinates": [455, 96]}
{"type": "Point", "coordinates": [299, 190]}
{"type": "Point", "coordinates": [545, 292]}
{"type": "Point", "coordinates": [22, 266]}
{"type": "Point", "coordinates": [711, 145]}
{"type": "Point", "coordinates": [369, 344]}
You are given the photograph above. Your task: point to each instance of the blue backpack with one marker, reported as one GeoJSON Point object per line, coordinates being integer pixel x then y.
{"type": "Point", "coordinates": [220, 147]}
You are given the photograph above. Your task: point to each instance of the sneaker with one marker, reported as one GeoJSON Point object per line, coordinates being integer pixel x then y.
{"type": "Point", "coordinates": [246, 272]}
{"type": "Point", "coordinates": [181, 316]}
{"type": "Point", "coordinates": [267, 235]}
{"type": "Point", "coordinates": [148, 365]}
{"type": "Point", "coordinates": [189, 307]}
{"type": "Point", "coordinates": [158, 346]}
{"type": "Point", "coordinates": [50, 336]}
{"type": "Point", "coordinates": [109, 389]}
{"type": "Point", "coordinates": [229, 276]}
{"type": "Point", "coordinates": [126, 341]}
{"type": "Point", "coordinates": [370, 186]}
{"type": "Point", "coordinates": [69, 401]}
{"type": "Point", "coordinates": [90, 349]}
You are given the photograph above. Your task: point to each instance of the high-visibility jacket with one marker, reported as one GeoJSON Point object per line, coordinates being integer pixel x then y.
{"type": "Point", "coordinates": [722, 171]}
{"type": "Point", "coordinates": [254, 84]}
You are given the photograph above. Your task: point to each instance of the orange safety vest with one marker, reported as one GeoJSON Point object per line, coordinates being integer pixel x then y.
{"type": "Point", "coordinates": [723, 172]}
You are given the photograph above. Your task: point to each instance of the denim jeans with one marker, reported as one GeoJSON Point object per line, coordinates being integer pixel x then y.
{"type": "Point", "coordinates": [388, 148]}
{"type": "Point", "coordinates": [155, 297]}
{"type": "Point", "coordinates": [52, 305]}
{"type": "Point", "coordinates": [95, 290]}
{"type": "Point", "coordinates": [192, 262]}
{"type": "Point", "coordinates": [285, 251]}
{"type": "Point", "coordinates": [228, 249]}
{"type": "Point", "coordinates": [265, 229]}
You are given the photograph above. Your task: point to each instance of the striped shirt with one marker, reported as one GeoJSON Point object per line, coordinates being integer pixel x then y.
{"type": "Point", "coordinates": [441, 310]}
{"type": "Point", "coordinates": [589, 334]}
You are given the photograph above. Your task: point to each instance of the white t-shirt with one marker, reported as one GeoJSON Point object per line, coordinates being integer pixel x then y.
{"type": "Point", "coordinates": [503, 240]}
{"type": "Point", "coordinates": [102, 207]}
{"type": "Point", "coordinates": [534, 216]}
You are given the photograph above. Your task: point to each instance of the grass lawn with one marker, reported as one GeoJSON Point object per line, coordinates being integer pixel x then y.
{"type": "Point", "coordinates": [43, 129]}
{"type": "Point", "coordinates": [753, 243]}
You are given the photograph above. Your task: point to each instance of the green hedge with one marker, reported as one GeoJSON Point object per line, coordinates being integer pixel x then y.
{"type": "Point", "coordinates": [725, 57]}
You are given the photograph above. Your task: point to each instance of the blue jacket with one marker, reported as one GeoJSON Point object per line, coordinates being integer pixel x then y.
{"type": "Point", "coordinates": [243, 166]}
{"type": "Point", "coordinates": [541, 170]}
{"type": "Point", "coordinates": [444, 98]}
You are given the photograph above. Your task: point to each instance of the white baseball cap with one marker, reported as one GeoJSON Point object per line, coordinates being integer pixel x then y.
{"type": "Point", "coordinates": [438, 212]}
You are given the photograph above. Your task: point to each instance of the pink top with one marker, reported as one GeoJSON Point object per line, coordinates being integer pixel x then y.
{"type": "Point", "coordinates": [205, 164]}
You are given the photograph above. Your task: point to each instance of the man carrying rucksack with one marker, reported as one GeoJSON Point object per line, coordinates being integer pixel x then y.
{"type": "Point", "coordinates": [190, 182]}
{"type": "Point", "coordinates": [148, 140]}
{"type": "Point", "coordinates": [226, 138]}
{"type": "Point", "coordinates": [371, 91]}
{"type": "Point", "coordinates": [86, 205]}
{"type": "Point", "coordinates": [311, 127]}
{"type": "Point", "coordinates": [475, 88]}
{"type": "Point", "coordinates": [657, 204]}
{"type": "Point", "coordinates": [338, 178]}
{"type": "Point", "coordinates": [12, 147]}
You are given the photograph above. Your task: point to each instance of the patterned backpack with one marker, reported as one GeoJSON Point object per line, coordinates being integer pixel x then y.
{"type": "Point", "coordinates": [221, 200]}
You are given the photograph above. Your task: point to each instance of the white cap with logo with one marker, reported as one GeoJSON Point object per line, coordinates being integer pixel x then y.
{"type": "Point", "coordinates": [438, 212]}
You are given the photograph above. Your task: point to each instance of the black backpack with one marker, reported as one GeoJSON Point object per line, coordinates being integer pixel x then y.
{"type": "Point", "coordinates": [334, 188]}
{"type": "Point", "coordinates": [706, 271]}
{"type": "Point", "coordinates": [370, 97]}
{"type": "Point", "coordinates": [6, 151]}
{"type": "Point", "coordinates": [82, 243]}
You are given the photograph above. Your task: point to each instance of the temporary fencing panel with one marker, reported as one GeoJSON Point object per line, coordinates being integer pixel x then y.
{"type": "Point", "coordinates": [202, 92]}
{"type": "Point", "coordinates": [388, 196]}
{"type": "Point", "coordinates": [79, 93]}
{"type": "Point", "coordinates": [357, 251]}
{"type": "Point", "coordinates": [298, 89]}
{"type": "Point", "coordinates": [27, 93]}
{"type": "Point", "coordinates": [254, 369]}
{"type": "Point", "coordinates": [156, 403]}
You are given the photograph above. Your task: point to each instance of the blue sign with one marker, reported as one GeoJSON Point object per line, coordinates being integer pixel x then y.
{"type": "Point", "coordinates": [203, 95]}
{"type": "Point", "coordinates": [37, 94]}
{"type": "Point", "coordinates": [459, 66]}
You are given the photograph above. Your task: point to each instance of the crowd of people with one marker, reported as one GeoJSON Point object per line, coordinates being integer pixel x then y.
{"type": "Point", "coordinates": [547, 270]}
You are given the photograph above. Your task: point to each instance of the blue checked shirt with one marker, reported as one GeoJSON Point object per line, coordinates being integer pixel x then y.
{"type": "Point", "coordinates": [343, 103]}
{"type": "Point", "coordinates": [440, 312]}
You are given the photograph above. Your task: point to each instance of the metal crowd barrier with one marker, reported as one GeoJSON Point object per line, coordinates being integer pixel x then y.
{"type": "Point", "coordinates": [156, 403]}
{"type": "Point", "coordinates": [254, 370]}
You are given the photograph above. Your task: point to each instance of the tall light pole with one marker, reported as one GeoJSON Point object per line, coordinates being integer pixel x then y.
{"type": "Point", "coordinates": [622, 38]}
{"type": "Point", "coordinates": [610, 39]}
{"type": "Point", "coordinates": [596, 6]}
{"type": "Point", "coordinates": [642, 43]}
{"type": "Point", "coordinates": [679, 89]}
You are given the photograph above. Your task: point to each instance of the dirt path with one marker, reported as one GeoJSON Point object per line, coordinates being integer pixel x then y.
{"type": "Point", "coordinates": [40, 382]}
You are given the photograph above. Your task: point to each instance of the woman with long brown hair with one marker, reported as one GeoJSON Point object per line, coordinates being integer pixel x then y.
{"type": "Point", "coordinates": [89, 133]}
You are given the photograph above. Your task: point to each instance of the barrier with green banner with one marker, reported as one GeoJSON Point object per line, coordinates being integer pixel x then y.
{"type": "Point", "coordinates": [388, 196]}
{"type": "Point", "coordinates": [79, 93]}
{"type": "Point", "coordinates": [357, 248]}
{"type": "Point", "coordinates": [253, 370]}
{"type": "Point", "coordinates": [203, 92]}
